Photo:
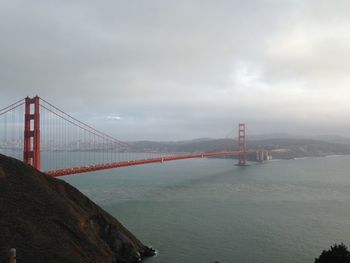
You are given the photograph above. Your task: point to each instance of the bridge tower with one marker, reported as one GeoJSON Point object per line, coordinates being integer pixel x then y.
{"type": "Point", "coordinates": [242, 161]}
{"type": "Point", "coordinates": [31, 150]}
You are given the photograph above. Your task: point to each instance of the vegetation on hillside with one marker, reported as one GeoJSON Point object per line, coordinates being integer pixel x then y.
{"type": "Point", "coordinates": [336, 254]}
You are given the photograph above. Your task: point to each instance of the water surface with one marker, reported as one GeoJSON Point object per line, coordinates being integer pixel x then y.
{"type": "Point", "coordinates": [208, 209]}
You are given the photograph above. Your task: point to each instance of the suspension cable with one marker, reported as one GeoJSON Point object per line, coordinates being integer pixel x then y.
{"type": "Point", "coordinates": [84, 124]}
{"type": "Point", "coordinates": [7, 109]}
{"type": "Point", "coordinates": [13, 104]}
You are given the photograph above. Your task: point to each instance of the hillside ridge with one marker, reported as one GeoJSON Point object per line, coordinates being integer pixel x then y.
{"type": "Point", "coordinates": [48, 220]}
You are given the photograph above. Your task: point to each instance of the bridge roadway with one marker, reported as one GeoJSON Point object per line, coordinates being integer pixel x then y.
{"type": "Point", "coordinates": [161, 159]}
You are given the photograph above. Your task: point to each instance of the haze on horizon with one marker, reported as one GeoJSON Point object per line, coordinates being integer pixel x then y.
{"type": "Point", "coordinates": [173, 70]}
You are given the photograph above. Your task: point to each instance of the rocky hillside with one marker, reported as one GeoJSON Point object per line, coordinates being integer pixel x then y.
{"type": "Point", "coordinates": [48, 220]}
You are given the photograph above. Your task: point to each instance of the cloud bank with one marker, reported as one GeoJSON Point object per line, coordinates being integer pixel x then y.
{"type": "Point", "coordinates": [182, 69]}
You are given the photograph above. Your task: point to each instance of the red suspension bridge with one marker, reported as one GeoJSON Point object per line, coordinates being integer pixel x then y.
{"type": "Point", "coordinates": [59, 144]}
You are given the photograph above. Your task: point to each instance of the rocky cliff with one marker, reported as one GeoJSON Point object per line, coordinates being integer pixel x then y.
{"type": "Point", "coordinates": [48, 220]}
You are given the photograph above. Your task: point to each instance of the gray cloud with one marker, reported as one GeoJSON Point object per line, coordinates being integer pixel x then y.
{"type": "Point", "coordinates": [182, 69]}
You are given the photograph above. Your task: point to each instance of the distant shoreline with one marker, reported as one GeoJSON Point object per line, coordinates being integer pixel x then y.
{"type": "Point", "coordinates": [311, 156]}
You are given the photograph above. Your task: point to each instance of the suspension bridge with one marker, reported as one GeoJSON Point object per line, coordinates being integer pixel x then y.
{"type": "Point", "coordinates": [58, 144]}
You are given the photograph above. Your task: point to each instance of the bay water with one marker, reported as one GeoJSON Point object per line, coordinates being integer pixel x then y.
{"type": "Point", "coordinates": [206, 210]}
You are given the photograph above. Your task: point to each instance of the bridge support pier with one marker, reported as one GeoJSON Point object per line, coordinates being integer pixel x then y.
{"type": "Point", "coordinates": [242, 161]}
{"type": "Point", "coordinates": [31, 150]}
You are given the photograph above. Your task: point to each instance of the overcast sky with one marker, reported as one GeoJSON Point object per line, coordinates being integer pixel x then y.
{"type": "Point", "coordinates": [161, 69]}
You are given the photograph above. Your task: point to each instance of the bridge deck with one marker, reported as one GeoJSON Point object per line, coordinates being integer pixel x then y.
{"type": "Point", "coordinates": [98, 167]}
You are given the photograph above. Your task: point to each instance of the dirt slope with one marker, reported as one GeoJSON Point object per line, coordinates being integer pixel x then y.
{"type": "Point", "coordinates": [48, 220]}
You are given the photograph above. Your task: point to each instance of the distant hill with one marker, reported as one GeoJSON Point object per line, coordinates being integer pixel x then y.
{"type": "Point", "coordinates": [326, 137]}
{"type": "Point", "coordinates": [292, 148]}
{"type": "Point", "coordinates": [189, 146]}
{"type": "Point", "coordinates": [280, 148]}
{"type": "Point", "coordinates": [333, 138]}
{"type": "Point", "coordinates": [48, 220]}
